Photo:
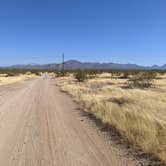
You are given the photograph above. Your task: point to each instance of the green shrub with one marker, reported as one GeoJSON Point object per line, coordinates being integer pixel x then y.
{"type": "Point", "coordinates": [115, 74]}
{"type": "Point", "coordinates": [142, 79]}
{"type": "Point", "coordinates": [11, 74]}
{"type": "Point", "coordinates": [80, 76]}
{"type": "Point", "coordinates": [60, 74]}
{"type": "Point", "coordinates": [125, 75]}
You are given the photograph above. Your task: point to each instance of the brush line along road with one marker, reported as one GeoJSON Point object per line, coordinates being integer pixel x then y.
{"type": "Point", "coordinates": [40, 126]}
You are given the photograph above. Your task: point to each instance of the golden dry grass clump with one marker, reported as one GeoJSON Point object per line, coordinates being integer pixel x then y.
{"type": "Point", "coordinates": [4, 79]}
{"type": "Point", "coordinates": [138, 114]}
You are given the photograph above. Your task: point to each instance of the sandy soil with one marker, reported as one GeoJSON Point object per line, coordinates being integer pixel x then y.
{"type": "Point", "coordinates": [40, 126]}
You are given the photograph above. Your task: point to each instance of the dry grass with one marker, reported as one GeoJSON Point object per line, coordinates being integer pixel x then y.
{"type": "Point", "coordinates": [9, 80]}
{"type": "Point", "coordinates": [139, 115]}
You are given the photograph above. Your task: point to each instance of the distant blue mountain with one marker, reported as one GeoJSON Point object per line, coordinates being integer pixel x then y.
{"type": "Point", "coordinates": [74, 64]}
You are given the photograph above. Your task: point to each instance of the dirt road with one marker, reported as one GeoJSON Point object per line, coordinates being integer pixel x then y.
{"type": "Point", "coordinates": [39, 126]}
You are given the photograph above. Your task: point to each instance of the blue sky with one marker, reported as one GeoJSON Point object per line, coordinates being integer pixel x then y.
{"type": "Point", "coordinates": [121, 31]}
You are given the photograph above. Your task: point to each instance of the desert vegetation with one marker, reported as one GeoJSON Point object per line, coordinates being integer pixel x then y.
{"type": "Point", "coordinates": [133, 102]}
{"type": "Point", "coordinates": [8, 76]}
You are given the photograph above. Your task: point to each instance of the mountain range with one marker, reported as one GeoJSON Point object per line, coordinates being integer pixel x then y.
{"type": "Point", "coordinates": [74, 64]}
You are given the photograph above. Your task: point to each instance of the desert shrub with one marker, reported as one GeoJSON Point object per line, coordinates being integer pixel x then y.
{"type": "Point", "coordinates": [92, 74]}
{"type": "Point", "coordinates": [125, 75]}
{"type": "Point", "coordinates": [115, 74]}
{"type": "Point", "coordinates": [10, 74]}
{"type": "Point", "coordinates": [38, 74]}
{"type": "Point", "coordinates": [80, 76]}
{"type": "Point", "coordinates": [60, 74]}
{"type": "Point", "coordinates": [142, 80]}
{"type": "Point", "coordinates": [162, 72]}
{"type": "Point", "coordinates": [28, 73]}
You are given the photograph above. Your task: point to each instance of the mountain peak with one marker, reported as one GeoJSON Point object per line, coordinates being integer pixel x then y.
{"type": "Point", "coordinates": [72, 61]}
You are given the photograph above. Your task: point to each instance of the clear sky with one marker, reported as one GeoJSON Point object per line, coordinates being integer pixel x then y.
{"type": "Point", "coordinates": [123, 31]}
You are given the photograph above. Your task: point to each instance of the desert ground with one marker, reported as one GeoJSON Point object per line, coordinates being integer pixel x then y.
{"type": "Point", "coordinates": [137, 114]}
{"type": "Point", "coordinates": [41, 126]}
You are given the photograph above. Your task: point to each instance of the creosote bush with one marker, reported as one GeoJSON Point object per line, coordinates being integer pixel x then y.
{"type": "Point", "coordinates": [80, 76]}
{"type": "Point", "coordinates": [142, 79]}
{"type": "Point", "coordinates": [60, 74]}
{"type": "Point", "coordinates": [125, 75]}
